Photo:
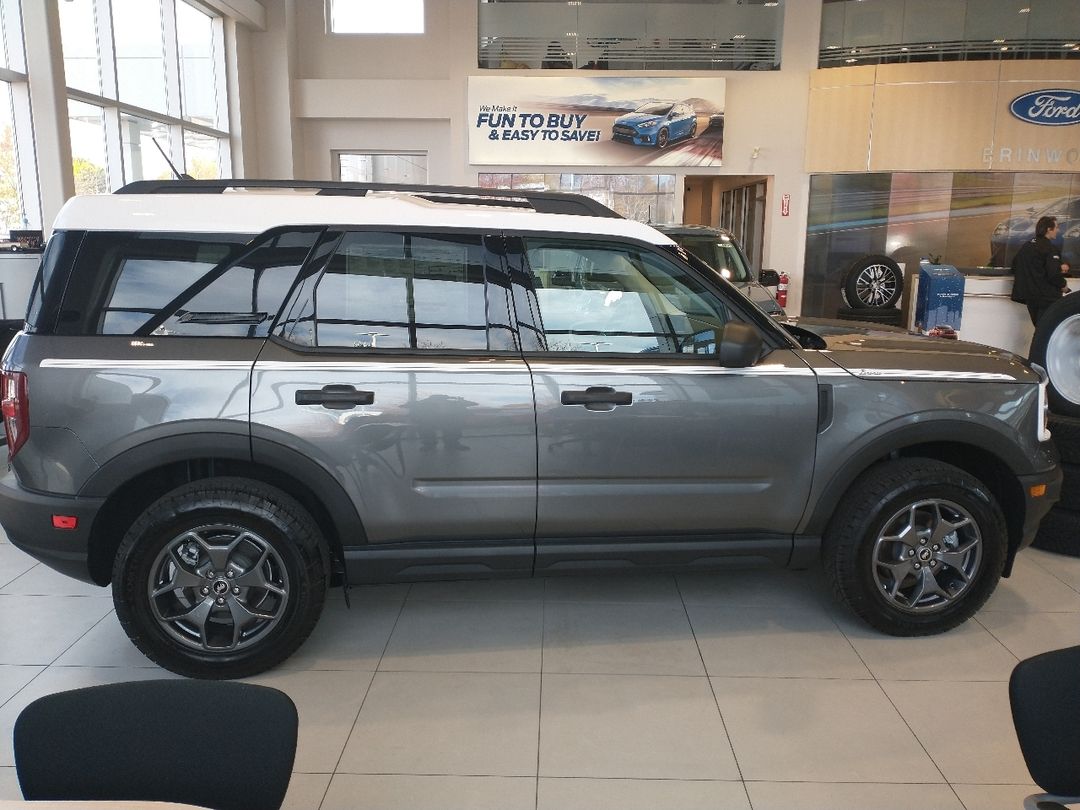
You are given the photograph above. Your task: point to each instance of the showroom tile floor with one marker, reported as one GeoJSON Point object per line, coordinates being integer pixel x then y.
{"type": "Point", "coordinates": [740, 689]}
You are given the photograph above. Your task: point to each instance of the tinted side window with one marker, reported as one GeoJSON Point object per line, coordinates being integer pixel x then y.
{"type": "Point", "coordinates": [597, 297]}
{"type": "Point", "coordinates": [400, 291]}
{"type": "Point", "coordinates": [210, 285]}
{"type": "Point", "coordinates": [122, 279]}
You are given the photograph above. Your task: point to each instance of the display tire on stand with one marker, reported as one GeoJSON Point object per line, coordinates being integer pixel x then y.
{"type": "Point", "coordinates": [890, 316]}
{"type": "Point", "coordinates": [1059, 532]}
{"type": "Point", "coordinates": [221, 578]}
{"type": "Point", "coordinates": [1056, 347]}
{"type": "Point", "coordinates": [1065, 433]}
{"type": "Point", "coordinates": [875, 282]}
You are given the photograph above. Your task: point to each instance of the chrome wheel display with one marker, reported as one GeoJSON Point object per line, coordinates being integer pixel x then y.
{"type": "Point", "coordinates": [1063, 358]}
{"type": "Point", "coordinates": [876, 285]}
{"type": "Point", "coordinates": [218, 588]}
{"type": "Point", "coordinates": [927, 555]}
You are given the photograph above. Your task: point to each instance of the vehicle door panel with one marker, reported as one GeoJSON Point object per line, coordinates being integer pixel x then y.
{"type": "Point", "coordinates": [395, 369]}
{"type": "Point", "coordinates": [694, 448]}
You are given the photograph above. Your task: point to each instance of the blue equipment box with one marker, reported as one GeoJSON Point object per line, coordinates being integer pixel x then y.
{"type": "Point", "coordinates": [940, 301]}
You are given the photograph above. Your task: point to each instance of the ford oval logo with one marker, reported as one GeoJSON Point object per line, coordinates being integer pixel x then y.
{"type": "Point", "coordinates": [1050, 108]}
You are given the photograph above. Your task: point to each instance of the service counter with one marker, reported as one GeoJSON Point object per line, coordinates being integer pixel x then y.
{"type": "Point", "coordinates": [991, 318]}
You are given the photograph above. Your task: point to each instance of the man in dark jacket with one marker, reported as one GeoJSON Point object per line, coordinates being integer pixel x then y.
{"type": "Point", "coordinates": [1038, 271]}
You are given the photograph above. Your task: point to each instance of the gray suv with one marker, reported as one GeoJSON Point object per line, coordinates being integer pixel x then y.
{"type": "Point", "coordinates": [230, 396]}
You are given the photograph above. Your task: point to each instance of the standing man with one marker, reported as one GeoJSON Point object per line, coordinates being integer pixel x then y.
{"type": "Point", "coordinates": [1038, 272]}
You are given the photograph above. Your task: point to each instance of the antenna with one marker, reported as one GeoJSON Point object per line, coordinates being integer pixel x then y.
{"type": "Point", "coordinates": [179, 176]}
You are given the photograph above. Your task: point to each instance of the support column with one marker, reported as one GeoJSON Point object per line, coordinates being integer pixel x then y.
{"type": "Point", "coordinates": [48, 106]}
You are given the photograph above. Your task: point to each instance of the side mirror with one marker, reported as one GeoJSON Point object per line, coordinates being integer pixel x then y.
{"type": "Point", "coordinates": [740, 346]}
{"type": "Point", "coordinates": [769, 278]}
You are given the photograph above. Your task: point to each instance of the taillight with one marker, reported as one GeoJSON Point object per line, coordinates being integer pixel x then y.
{"type": "Point", "coordinates": [15, 407]}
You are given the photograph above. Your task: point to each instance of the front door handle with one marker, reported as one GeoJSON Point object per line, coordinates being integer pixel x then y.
{"type": "Point", "coordinates": [597, 398]}
{"type": "Point", "coordinates": [335, 397]}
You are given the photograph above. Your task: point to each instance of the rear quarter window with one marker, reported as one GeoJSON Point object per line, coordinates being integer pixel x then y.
{"type": "Point", "coordinates": [184, 284]}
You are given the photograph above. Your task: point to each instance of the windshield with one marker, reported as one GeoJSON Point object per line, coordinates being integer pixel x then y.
{"type": "Point", "coordinates": [724, 257]}
{"type": "Point", "coordinates": [655, 108]}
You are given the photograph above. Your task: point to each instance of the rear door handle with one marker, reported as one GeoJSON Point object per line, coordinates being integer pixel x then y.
{"type": "Point", "coordinates": [597, 398]}
{"type": "Point", "coordinates": [335, 397]}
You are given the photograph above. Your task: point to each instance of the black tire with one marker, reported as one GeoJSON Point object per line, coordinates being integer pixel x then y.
{"type": "Point", "coordinates": [1059, 532]}
{"type": "Point", "coordinates": [662, 138]}
{"type": "Point", "coordinates": [891, 315]}
{"type": "Point", "coordinates": [887, 494]}
{"type": "Point", "coordinates": [273, 575]}
{"type": "Point", "coordinates": [693, 129]}
{"type": "Point", "coordinates": [1065, 433]}
{"type": "Point", "coordinates": [1056, 347]}
{"type": "Point", "coordinates": [875, 282]}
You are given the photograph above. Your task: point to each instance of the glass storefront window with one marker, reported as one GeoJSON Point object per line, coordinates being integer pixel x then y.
{"type": "Point", "coordinates": [355, 167]}
{"type": "Point", "coordinates": [376, 17]}
{"type": "Point", "coordinates": [87, 125]}
{"type": "Point", "coordinates": [975, 221]}
{"type": "Point", "coordinates": [656, 35]}
{"type": "Point", "coordinates": [142, 159]}
{"type": "Point", "coordinates": [642, 197]}
{"type": "Point", "coordinates": [202, 155]}
{"type": "Point", "coordinates": [856, 32]}
{"type": "Point", "coordinates": [140, 53]}
{"type": "Point", "coordinates": [12, 214]}
{"type": "Point", "coordinates": [198, 63]}
{"type": "Point", "coordinates": [78, 35]}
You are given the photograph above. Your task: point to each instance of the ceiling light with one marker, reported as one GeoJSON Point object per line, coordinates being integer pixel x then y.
{"type": "Point", "coordinates": [1004, 47]}
{"type": "Point", "coordinates": [739, 36]}
{"type": "Point", "coordinates": [772, 3]}
{"type": "Point", "coordinates": [905, 49]}
{"type": "Point", "coordinates": [837, 47]}
{"type": "Point", "coordinates": [1069, 45]}
{"type": "Point", "coordinates": [849, 61]}
{"type": "Point", "coordinates": [1024, 10]}
{"type": "Point", "coordinates": [998, 41]}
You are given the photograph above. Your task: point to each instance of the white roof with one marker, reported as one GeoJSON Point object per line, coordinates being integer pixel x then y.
{"type": "Point", "coordinates": [258, 211]}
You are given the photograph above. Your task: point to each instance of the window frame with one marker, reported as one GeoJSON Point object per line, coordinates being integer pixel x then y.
{"type": "Point", "coordinates": [22, 124]}
{"type": "Point", "coordinates": [173, 117]}
{"type": "Point", "coordinates": [304, 295]}
{"type": "Point", "coordinates": [740, 309]}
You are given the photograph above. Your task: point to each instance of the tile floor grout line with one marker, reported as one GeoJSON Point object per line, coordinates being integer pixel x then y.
{"type": "Point", "coordinates": [1051, 571]}
{"type": "Point", "coordinates": [89, 630]}
{"type": "Point", "coordinates": [896, 709]}
{"type": "Point", "coordinates": [540, 702]}
{"type": "Point", "coordinates": [716, 700]}
{"type": "Point", "coordinates": [995, 638]}
{"type": "Point", "coordinates": [18, 577]}
{"type": "Point", "coordinates": [352, 729]}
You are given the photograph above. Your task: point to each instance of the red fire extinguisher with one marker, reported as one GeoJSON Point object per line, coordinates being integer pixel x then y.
{"type": "Point", "coordinates": [781, 290]}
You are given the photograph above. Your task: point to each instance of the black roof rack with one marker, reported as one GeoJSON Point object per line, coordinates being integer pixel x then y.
{"type": "Point", "coordinates": [543, 202]}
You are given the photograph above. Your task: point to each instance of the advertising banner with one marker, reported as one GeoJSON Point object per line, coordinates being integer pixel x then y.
{"type": "Point", "coordinates": [595, 121]}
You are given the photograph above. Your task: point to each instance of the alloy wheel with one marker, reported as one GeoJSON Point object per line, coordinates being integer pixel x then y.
{"type": "Point", "coordinates": [927, 556]}
{"type": "Point", "coordinates": [218, 588]}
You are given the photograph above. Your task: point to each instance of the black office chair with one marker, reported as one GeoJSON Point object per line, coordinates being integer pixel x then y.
{"type": "Point", "coordinates": [1044, 692]}
{"type": "Point", "coordinates": [220, 745]}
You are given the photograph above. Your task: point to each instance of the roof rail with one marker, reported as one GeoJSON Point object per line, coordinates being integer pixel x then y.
{"type": "Point", "coordinates": [544, 202]}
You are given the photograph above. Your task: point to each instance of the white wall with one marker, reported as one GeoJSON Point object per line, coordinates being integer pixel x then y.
{"type": "Point", "coordinates": [314, 93]}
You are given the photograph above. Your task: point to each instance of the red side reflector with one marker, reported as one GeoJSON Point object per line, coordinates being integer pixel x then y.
{"type": "Point", "coordinates": [65, 522]}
